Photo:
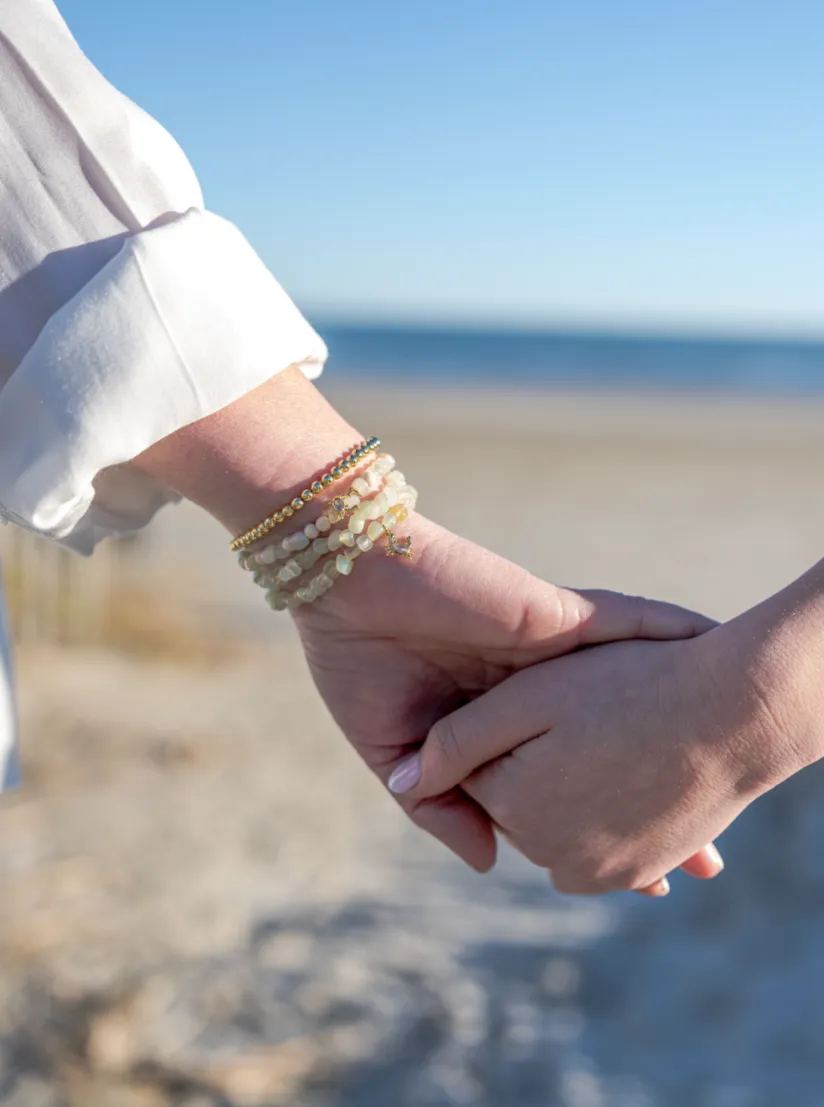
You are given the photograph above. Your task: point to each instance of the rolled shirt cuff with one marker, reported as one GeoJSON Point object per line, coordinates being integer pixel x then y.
{"type": "Point", "coordinates": [181, 322]}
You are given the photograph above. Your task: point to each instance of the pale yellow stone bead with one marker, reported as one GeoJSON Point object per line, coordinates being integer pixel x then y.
{"type": "Point", "coordinates": [357, 526]}
{"type": "Point", "coordinates": [375, 531]}
{"type": "Point", "coordinates": [361, 486]}
{"type": "Point", "coordinates": [311, 531]}
{"type": "Point", "coordinates": [343, 565]}
{"type": "Point", "coordinates": [347, 538]}
{"type": "Point", "coordinates": [322, 524]}
{"type": "Point", "coordinates": [401, 513]}
{"type": "Point", "coordinates": [365, 543]}
{"type": "Point", "coordinates": [334, 540]}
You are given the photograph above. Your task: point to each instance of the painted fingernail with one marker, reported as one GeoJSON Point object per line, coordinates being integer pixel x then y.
{"type": "Point", "coordinates": [660, 887]}
{"type": "Point", "coordinates": [405, 775]}
{"type": "Point", "coordinates": [715, 858]}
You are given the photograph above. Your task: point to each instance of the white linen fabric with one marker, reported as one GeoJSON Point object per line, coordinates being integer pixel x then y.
{"type": "Point", "coordinates": [126, 309]}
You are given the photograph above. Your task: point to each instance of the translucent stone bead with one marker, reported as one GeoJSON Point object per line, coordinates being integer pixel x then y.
{"type": "Point", "coordinates": [320, 545]}
{"type": "Point", "coordinates": [284, 576]}
{"type": "Point", "coordinates": [351, 502]}
{"type": "Point", "coordinates": [267, 556]}
{"type": "Point", "coordinates": [311, 531]}
{"type": "Point", "coordinates": [384, 463]}
{"type": "Point", "coordinates": [298, 541]}
{"type": "Point", "coordinates": [401, 513]}
{"type": "Point", "coordinates": [373, 480]}
{"type": "Point", "coordinates": [389, 520]}
{"type": "Point", "coordinates": [331, 570]}
{"type": "Point", "coordinates": [363, 511]}
{"type": "Point", "coordinates": [390, 494]}
{"type": "Point", "coordinates": [356, 526]}
{"type": "Point", "coordinates": [360, 485]}
{"type": "Point", "coordinates": [364, 543]}
{"type": "Point", "coordinates": [304, 594]}
{"type": "Point", "coordinates": [374, 511]}
{"type": "Point", "coordinates": [375, 531]}
{"type": "Point", "coordinates": [293, 567]}
{"type": "Point", "coordinates": [381, 502]}
{"type": "Point", "coordinates": [334, 540]}
{"type": "Point", "coordinates": [353, 553]}
{"type": "Point", "coordinates": [347, 538]}
{"type": "Point", "coordinates": [396, 477]}
{"type": "Point", "coordinates": [322, 524]}
{"type": "Point", "coordinates": [343, 565]}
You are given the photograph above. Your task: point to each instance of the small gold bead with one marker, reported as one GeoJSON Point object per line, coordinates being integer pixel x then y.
{"type": "Point", "coordinates": [297, 503]}
{"type": "Point", "coordinates": [307, 494]}
{"type": "Point", "coordinates": [287, 511]}
{"type": "Point", "coordinates": [327, 479]}
{"type": "Point", "coordinates": [317, 487]}
{"type": "Point", "coordinates": [337, 472]}
{"type": "Point", "coordinates": [279, 516]}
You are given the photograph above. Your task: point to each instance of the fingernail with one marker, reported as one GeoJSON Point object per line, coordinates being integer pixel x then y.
{"type": "Point", "coordinates": [715, 858]}
{"type": "Point", "coordinates": [660, 887]}
{"type": "Point", "coordinates": [405, 775]}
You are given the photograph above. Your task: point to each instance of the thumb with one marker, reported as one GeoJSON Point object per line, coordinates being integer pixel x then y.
{"type": "Point", "coordinates": [611, 616]}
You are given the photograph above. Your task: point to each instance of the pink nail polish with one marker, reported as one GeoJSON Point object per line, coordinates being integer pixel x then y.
{"type": "Point", "coordinates": [715, 857]}
{"type": "Point", "coordinates": [405, 775]}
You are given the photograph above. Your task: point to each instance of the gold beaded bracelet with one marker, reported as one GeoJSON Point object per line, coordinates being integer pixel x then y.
{"type": "Point", "coordinates": [336, 471]}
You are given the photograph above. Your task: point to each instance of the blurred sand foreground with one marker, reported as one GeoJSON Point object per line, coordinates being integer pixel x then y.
{"type": "Point", "coordinates": [206, 901]}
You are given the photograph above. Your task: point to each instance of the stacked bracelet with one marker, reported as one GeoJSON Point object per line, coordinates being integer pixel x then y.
{"type": "Point", "coordinates": [367, 521]}
{"type": "Point", "coordinates": [336, 471]}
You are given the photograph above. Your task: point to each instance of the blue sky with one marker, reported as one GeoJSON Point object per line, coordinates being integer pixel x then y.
{"type": "Point", "coordinates": [587, 163]}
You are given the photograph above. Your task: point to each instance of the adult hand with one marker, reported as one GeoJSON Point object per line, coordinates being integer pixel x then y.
{"type": "Point", "coordinates": [399, 643]}
{"type": "Point", "coordinates": [402, 643]}
{"type": "Point", "coordinates": [623, 760]}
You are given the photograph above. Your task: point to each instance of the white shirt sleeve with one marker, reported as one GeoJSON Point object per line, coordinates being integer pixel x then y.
{"type": "Point", "coordinates": [126, 309]}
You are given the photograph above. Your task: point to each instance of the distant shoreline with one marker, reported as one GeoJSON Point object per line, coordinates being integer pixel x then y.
{"type": "Point", "coordinates": [580, 361]}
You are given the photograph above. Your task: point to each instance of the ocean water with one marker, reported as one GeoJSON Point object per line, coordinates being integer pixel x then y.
{"type": "Point", "coordinates": [577, 360]}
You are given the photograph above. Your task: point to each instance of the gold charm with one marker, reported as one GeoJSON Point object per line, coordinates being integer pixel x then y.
{"type": "Point", "coordinates": [338, 510]}
{"type": "Point", "coordinates": [400, 547]}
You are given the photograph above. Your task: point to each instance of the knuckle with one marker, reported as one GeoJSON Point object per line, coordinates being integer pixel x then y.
{"type": "Point", "coordinates": [445, 743]}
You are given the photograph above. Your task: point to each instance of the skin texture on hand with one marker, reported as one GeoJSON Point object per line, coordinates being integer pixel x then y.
{"type": "Point", "coordinates": [399, 643]}
{"type": "Point", "coordinates": [611, 766]}
{"type": "Point", "coordinates": [403, 643]}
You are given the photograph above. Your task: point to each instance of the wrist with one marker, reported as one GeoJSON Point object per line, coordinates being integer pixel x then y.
{"type": "Point", "coordinates": [244, 461]}
{"type": "Point", "coordinates": [778, 647]}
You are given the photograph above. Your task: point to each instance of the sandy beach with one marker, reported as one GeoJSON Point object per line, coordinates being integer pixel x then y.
{"type": "Point", "coordinates": [208, 903]}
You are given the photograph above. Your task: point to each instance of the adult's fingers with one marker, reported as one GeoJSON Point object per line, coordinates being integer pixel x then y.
{"type": "Point", "coordinates": [612, 617]}
{"type": "Point", "coordinates": [704, 865]}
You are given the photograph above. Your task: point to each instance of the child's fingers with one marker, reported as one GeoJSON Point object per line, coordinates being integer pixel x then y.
{"type": "Point", "coordinates": [475, 734]}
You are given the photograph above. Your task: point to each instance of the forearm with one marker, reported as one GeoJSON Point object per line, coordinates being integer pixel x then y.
{"type": "Point", "coordinates": [258, 452]}
{"type": "Point", "coordinates": [778, 649]}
